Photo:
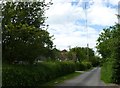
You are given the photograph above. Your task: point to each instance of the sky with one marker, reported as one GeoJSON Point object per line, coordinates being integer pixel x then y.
{"type": "Point", "coordinates": [67, 21]}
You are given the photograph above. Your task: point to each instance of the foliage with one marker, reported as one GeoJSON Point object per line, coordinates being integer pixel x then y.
{"type": "Point", "coordinates": [31, 13]}
{"type": "Point", "coordinates": [88, 65]}
{"type": "Point", "coordinates": [116, 56]}
{"type": "Point", "coordinates": [106, 70]}
{"type": "Point", "coordinates": [83, 66]}
{"type": "Point", "coordinates": [104, 42]}
{"type": "Point", "coordinates": [109, 47]}
{"type": "Point", "coordinates": [35, 75]}
{"type": "Point", "coordinates": [79, 52]}
{"type": "Point", "coordinates": [56, 54]}
{"type": "Point", "coordinates": [24, 34]}
{"type": "Point", "coordinates": [81, 55]}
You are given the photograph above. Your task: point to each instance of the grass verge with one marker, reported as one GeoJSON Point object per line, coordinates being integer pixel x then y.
{"type": "Point", "coordinates": [61, 79]}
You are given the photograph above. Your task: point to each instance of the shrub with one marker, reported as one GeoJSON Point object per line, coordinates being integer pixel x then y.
{"type": "Point", "coordinates": [35, 75]}
{"type": "Point", "coordinates": [80, 66]}
{"type": "Point", "coordinates": [83, 66]}
{"type": "Point", "coordinates": [88, 65]}
{"type": "Point", "coordinates": [116, 56]}
{"type": "Point", "coordinates": [106, 71]}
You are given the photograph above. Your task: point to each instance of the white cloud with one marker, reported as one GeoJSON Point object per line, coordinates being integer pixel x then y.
{"type": "Point", "coordinates": [101, 15]}
{"type": "Point", "coordinates": [113, 2]}
{"type": "Point", "coordinates": [62, 17]}
{"type": "Point", "coordinates": [73, 35]}
{"type": "Point", "coordinates": [61, 13]}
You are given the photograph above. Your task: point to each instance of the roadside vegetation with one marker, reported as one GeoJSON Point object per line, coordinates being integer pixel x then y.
{"type": "Point", "coordinates": [29, 56]}
{"type": "Point", "coordinates": [61, 79]}
{"type": "Point", "coordinates": [108, 45]}
{"type": "Point", "coordinates": [35, 75]}
{"type": "Point", "coordinates": [41, 73]}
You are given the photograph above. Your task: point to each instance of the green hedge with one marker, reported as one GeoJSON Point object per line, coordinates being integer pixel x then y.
{"type": "Point", "coordinates": [34, 75]}
{"type": "Point", "coordinates": [110, 71]}
{"type": "Point", "coordinates": [83, 66]}
{"type": "Point", "coordinates": [107, 71]}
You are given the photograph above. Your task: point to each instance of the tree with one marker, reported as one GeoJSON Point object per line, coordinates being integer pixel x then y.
{"type": "Point", "coordinates": [105, 41]}
{"type": "Point", "coordinates": [109, 47]}
{"type": "Point", "coordinates": [116, 55]}
{"type": "Point", "coordinates": [81, 54]}
{"type": "Point", "coordinates": [24, 33]}
{"type": "Point", "coordinates": [56, 54]}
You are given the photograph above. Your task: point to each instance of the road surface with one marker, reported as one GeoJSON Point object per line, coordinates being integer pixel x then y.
{"type": "Point", "coordinates": [90, 78]}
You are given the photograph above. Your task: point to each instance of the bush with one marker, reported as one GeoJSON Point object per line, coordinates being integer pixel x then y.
{"type": "Point", "coordinates": [116, 56]}
{"type": "Point", "coordinates": [80, 66]}
{"type": "Point", "coordinates": [110, 72]}
{"type": "Point", "coordinates": [83, 66]}
{"type": "Point", "coordinates": [35, 75]}
{"type": "Point", "coordinates": [106, 71]}
{"type": "Point", "coordinates": [88, 65]}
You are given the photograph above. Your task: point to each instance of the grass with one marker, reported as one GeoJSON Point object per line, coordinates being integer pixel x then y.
{"type": "Point", "coordinates": [61, 79]}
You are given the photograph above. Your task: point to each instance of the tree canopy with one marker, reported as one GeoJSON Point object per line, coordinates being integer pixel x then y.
{"type": "Point", "coordinates": [25, 35]}
{"type": "Point", "coordinates": [81, 54]}
{"type": "Point", "coordinates": [108, 45]}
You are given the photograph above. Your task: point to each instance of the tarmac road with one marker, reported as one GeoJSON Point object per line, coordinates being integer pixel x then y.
{"type": "Point", "coordinates": [90, 78]}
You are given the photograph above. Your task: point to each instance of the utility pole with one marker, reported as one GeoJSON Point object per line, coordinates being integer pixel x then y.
{"type": "Point", "coordinates": [69, 47]}
{"type": "Point", "coordinates": [86, 25]}
{"type": "Point", "coordinates": [118, 15]}
{"type": "Point", "coordinates": [107, 3]}
{"type": "Point", "coordinates": [85, 4]}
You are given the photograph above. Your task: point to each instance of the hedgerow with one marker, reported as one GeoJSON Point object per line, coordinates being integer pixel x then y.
{"type": "Point", "coordinates": [83, 66]}
{"type": "Point", "coordinates": [106, 71]}
{"type": "Point", "coordinates": [35, 75]}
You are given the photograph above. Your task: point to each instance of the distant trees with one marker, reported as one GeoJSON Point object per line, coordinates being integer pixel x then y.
{"type": "Point", "coordinates": [25, 34]}
{"type": "Point", "coordinates": [80, 54]}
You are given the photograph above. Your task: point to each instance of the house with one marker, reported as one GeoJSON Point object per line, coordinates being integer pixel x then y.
{"type": "Point", "coordinates": [64, 55]}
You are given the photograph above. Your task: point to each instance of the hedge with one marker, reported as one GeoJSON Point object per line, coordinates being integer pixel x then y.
{"type": "Point", "coordinates": [110, 72]}
{"type": "Point", "coordinates": [34, 75]}
{"type": "Point", "coordinates": [107, 71]}
{"type": "Point", "coordinates": [83, 66]}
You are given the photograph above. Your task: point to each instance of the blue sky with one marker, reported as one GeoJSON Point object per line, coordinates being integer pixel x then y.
{"type": "Point", "coordinates": [66, 19]}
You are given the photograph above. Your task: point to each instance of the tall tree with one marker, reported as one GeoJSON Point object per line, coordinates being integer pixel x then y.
{"type": "Point", "coordinates": [24, 31]}
{"type": "Point", "coordinates": [109, 47]}
{"type": "Point", "coordinates": [116, 55]}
